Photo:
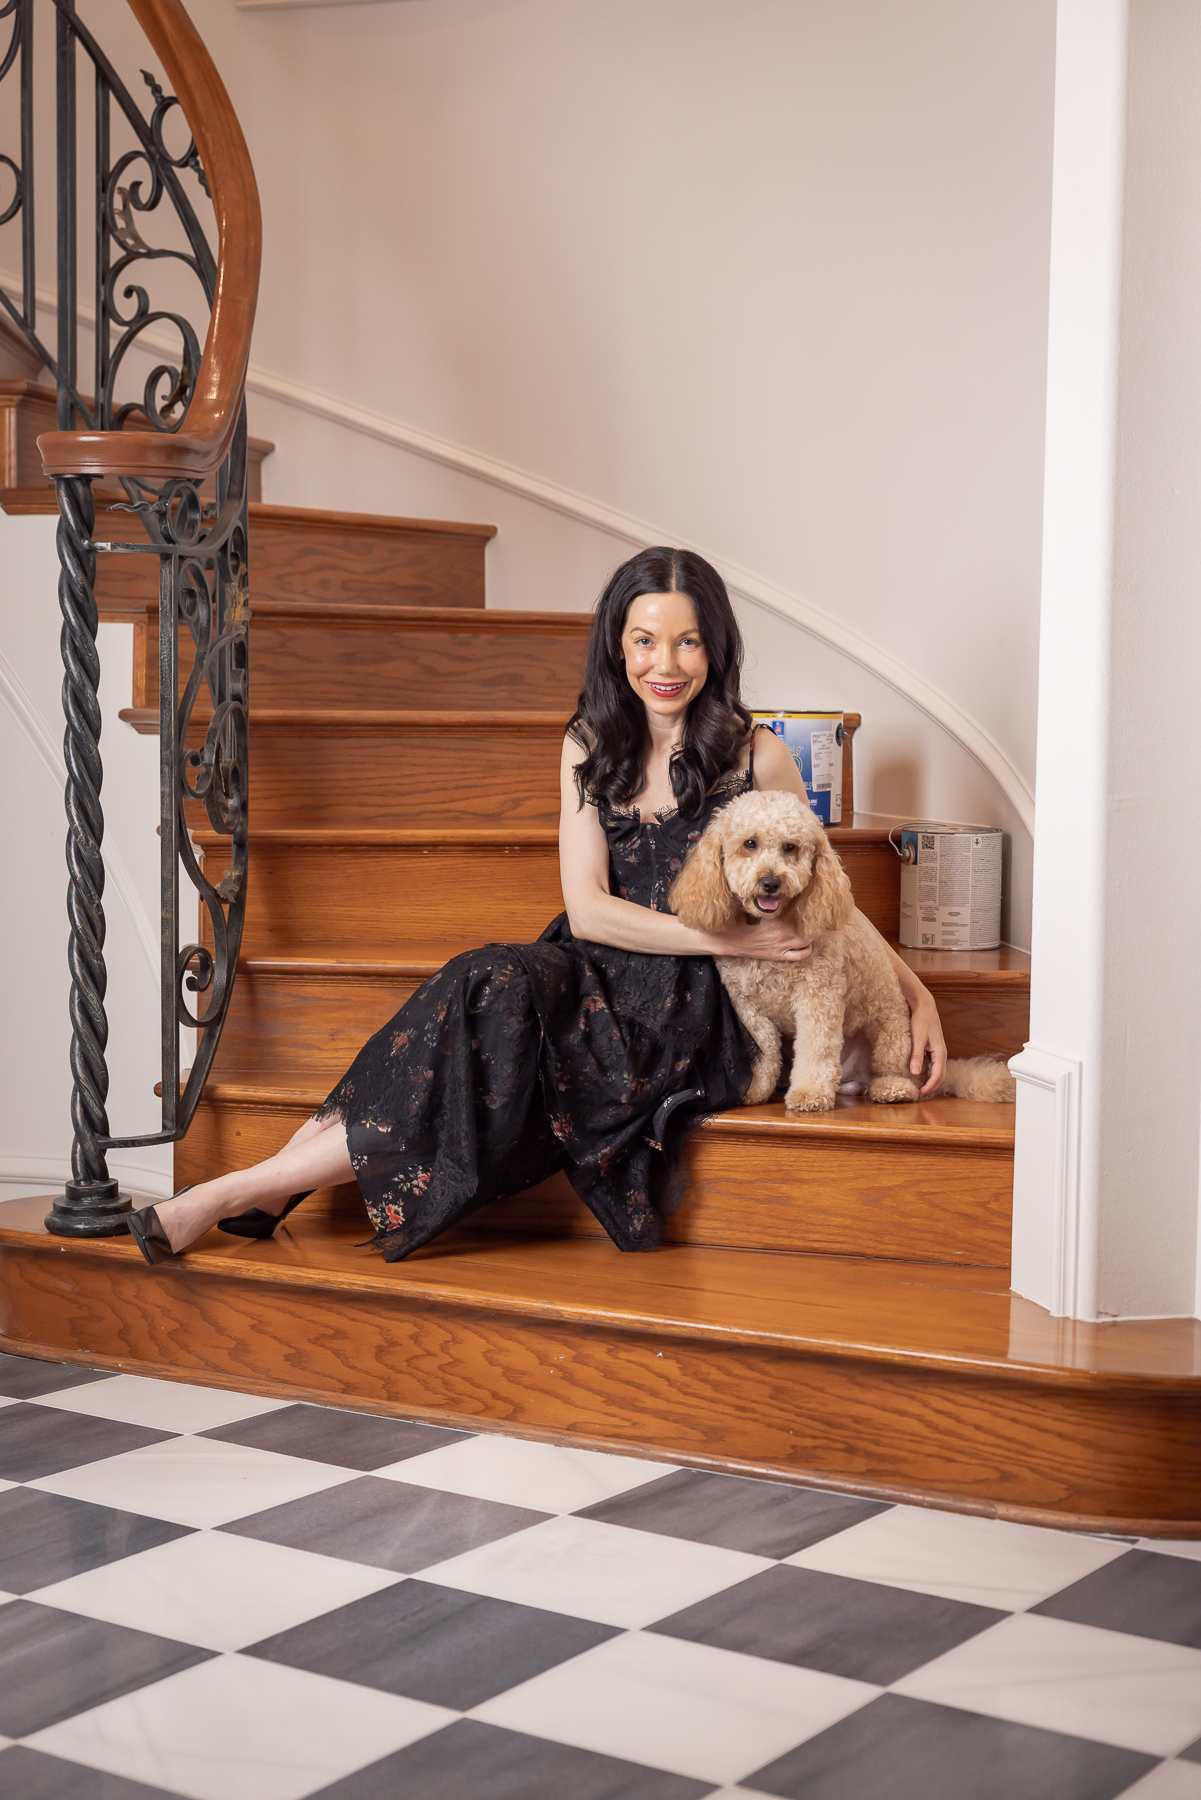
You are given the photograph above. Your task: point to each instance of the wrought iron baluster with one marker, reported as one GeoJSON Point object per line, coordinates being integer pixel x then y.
{"type": "Point", "coordinates": [201, 548]}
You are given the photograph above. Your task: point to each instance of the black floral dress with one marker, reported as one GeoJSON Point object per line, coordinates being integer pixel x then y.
{"type": "Point", "coordinates": [518, 1060]}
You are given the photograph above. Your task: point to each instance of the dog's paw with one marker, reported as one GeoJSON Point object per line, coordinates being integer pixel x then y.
{"type": "Point", "coordinates": [888, 1089]}
{"type": "Point", "coordinates": [799, 1099]}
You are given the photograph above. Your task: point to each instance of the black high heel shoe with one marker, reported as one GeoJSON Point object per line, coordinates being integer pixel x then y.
{"type": "Point", "coordinates": [259, 1224]}
{"type": "Point", "coordinates": [146, 1230]}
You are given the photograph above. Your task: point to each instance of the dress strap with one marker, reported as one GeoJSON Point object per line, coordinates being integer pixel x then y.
{"type": "Point", "coordinates": [750, 767]}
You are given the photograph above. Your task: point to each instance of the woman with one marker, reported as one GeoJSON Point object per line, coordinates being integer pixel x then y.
{"type": "Point", "coordinates": [594, 1048]}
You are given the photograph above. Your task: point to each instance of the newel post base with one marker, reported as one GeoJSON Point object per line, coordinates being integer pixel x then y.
{"type": "Point", "coordinates": [89, 1209]}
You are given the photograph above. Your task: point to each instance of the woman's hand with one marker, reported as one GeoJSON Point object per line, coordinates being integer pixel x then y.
{"type": "Point", "coordinates": [927, 1040]}
{"type": "Point", "coordinates": [773, 940]}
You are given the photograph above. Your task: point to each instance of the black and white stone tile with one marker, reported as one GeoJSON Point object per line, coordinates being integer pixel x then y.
{"type": "Point", "coordinates": [213, 1595]}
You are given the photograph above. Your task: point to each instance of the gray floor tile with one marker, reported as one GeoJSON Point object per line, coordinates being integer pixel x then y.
{"type": "Point", "coordinates": [830, 1622]}
{"type": "Point", "coordinates": [1193, 1753]}
{"type": "Point", "coordinates": [42, 1440]}
{"type": "Point", "coordinates": [387, 1524]}
{"type": "Point", "coordinates": [54, 1664]}
{"type": "Point", "coordinates": [327, 1434]}
{"type": "Point", "coordinates": [431, 1643]}
{"type": "Point", "coordinates": [762, 1517]}
{"type": "Point", "coordinates": [1142, 1592]}
{"type": "Point", "coordinates": [28, 1775]}
{"type": "Point", "coordinates": [470, 1761]}
{"type": "Point", "coordinates": [22, 1378]}
{"type": "Point", "coordinates": [900, 1749]}
{"type": "Point", "coordinates": [46, 1537]}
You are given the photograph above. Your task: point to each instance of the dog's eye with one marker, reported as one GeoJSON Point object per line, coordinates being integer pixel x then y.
{"type": "Point", "coordinates": [751, 844]}
{"type": "Point", "coordinates": [788, 849]}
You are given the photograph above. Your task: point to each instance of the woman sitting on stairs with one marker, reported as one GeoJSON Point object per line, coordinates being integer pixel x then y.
{"type": "Point", "coordinates": [593, 1049]}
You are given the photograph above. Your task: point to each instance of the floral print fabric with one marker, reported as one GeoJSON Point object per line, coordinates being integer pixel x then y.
{"type": "Point", "coordinates": [517, 1060]}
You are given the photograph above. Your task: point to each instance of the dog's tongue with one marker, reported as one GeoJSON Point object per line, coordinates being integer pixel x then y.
{"type": "Point", "coordinates": [767, 905]}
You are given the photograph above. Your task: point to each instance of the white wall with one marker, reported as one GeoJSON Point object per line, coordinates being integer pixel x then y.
{"type": "Point", "coordinates": [767, 279]}
{"type": "Point", "coordinates": [35, 1142]}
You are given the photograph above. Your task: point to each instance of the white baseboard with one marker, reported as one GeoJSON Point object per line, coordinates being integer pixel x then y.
{"type": "Point", "coordinates": [1048, 1227]}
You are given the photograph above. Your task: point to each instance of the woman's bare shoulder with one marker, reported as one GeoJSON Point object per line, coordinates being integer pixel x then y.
{"type": "Point", "coordinates": [774, 767]}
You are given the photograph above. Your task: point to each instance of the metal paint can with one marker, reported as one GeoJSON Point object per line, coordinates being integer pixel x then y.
{"type": "Point", "coordinates": [815, 740]}
{"type": "Point", "coordinates": [950, 885]}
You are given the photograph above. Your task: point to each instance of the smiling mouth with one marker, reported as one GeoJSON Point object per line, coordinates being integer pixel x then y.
{"type": "Point", "coordinates": [666, 691]}
{"type": "Point", "coordinates": [767, 904]}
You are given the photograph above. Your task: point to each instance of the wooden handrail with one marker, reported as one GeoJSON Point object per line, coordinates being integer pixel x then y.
{"type": "Point", "coordinates": [202, 442]}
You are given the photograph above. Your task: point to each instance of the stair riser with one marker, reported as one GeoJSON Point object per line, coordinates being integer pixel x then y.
{"type": "Point", "coordinates": [311, 899]}
{"type": "Point", "coordinates": [297, 664]}
{"type": "Point", "coordinates": [376, 566]}
{"type": "Point", "coordinates": [410, 779]}
{"type": "Point", "coordinates": [293, 1023]}
{"type": "Point", "coordinates": [1120, 1459]}
{"type": "Point", "coordinates": [906, 1203]}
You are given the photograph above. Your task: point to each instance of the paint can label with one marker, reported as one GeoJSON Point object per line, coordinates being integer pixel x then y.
{"type": "Point", "coordinates": [815, 740]}
{"type": "Point", "coordinates": [950, 887]}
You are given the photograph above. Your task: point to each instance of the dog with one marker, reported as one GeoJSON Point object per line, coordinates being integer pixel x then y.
{"type": "Point", "coordinates": [763, 855]}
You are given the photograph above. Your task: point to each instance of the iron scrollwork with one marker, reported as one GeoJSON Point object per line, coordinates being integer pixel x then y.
{"type": "Point", "coordinates": [202, 551]}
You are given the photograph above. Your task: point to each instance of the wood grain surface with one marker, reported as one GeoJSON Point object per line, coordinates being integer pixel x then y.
{"type": "Point", "coordinates": [307, 554]}
{"type": "Point", "coordinates": [335, 654]}
{"type": "Point", "coordinates": [934, 1379]}
{"type": "Point", "coordinates": [402, 769]}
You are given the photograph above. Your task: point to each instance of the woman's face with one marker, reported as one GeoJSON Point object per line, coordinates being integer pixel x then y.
{"type": "Point", "coordinates": [665, 660]}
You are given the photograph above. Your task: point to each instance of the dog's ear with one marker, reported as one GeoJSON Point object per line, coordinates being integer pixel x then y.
{"type": "Point", "coordinates": [827, 903]}
{"type": "Point", "coordinates": [701, 896]}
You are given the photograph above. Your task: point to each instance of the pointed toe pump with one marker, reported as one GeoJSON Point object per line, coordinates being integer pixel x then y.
{"type": "Point", "coordinates": [146, 1230]}
{"type": "Point", "coordinates": [259, 1224]}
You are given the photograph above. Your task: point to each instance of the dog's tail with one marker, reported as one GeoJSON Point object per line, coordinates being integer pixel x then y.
{"type": "Point", "coordinates": [977, 1078]}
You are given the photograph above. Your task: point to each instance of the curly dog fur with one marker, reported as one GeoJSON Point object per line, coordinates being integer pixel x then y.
{"type": "Point", "coordinates": [764, 854]}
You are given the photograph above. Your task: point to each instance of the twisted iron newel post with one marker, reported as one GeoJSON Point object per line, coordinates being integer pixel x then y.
{"type": "Point", "coordinates": [91, 1205]}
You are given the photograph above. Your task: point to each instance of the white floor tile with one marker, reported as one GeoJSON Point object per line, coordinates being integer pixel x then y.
{"type": "Point", "coordinates": [195, 1481]}
{"type": "Point", "coordinates": [161, 1405]}
{"type": "Point", "coordinates": [1090, 1683]}
{"type": "Point", "coordinates": [1187, 1547]}
{"type": "Point", "coordinates": [547, 1477]}
{"type": "Point", "coordinates": [1170, 1781]}
{"type": "Point", "coordinates": [683, 1707]}
{"type": "Point", "coordinates": [596, 1571]}
{"type": "Point", "coordinates": [239, 1729]}
{"type": "Point", "coordinates": [959, 1557]}
{"type": "Point", "coordinates": [216, 1590]}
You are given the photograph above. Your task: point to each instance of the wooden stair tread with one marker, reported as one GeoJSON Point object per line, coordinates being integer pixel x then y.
{"type": "Point", "coordinates": [371, 836]}
{"type": "Point", "coordinates": [965, 1123]}
{"type": "Point", "coordinates": [145, 719]}
{"type": "Point", "coordinates": [923, 1315]}
{"type": "Point", "coordinates": [319, 518]}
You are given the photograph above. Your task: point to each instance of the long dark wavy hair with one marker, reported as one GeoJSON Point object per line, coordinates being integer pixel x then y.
{"type": "Point", "coordinates": [610, 720]}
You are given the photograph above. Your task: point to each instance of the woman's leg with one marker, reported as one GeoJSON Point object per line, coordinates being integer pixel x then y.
{"type": "Point", "coordinates": [316, 1156]}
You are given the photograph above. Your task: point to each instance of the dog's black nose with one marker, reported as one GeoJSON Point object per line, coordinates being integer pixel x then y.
{"type": "Point", "coordinates": [769, 884]}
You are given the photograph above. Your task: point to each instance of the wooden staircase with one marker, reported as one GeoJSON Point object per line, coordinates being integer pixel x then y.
{"type": "Point", "coordinates": [832, 1305]}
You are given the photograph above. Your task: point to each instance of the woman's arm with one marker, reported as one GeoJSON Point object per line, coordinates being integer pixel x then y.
{"type": "Point", "coordinates": [601, 917]}
{"type": "Point", "coordinates": [774, 768]}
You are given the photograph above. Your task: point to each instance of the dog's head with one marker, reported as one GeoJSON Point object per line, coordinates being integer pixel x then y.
{"type": "Point", "coordinates": [762, 854]}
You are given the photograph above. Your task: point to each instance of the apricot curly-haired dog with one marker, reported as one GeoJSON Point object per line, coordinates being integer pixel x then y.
{"type": "Point", "coordinates": [763, 854]}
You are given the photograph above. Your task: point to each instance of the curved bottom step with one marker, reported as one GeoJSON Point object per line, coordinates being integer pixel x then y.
{"type": "Point", "coordinates": [902, 1381]}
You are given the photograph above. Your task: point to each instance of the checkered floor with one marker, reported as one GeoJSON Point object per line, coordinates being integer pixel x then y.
{"type": "Point", "coordinates": [231, 1598]}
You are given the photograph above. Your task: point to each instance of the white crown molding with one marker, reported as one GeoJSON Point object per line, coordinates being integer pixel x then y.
{"type": "Point", "coordinates": [21, 705]}
{"type": "Point", "coordinates": [47, 1175]}
{"type": "Point", "coordinates": [967, 732]}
